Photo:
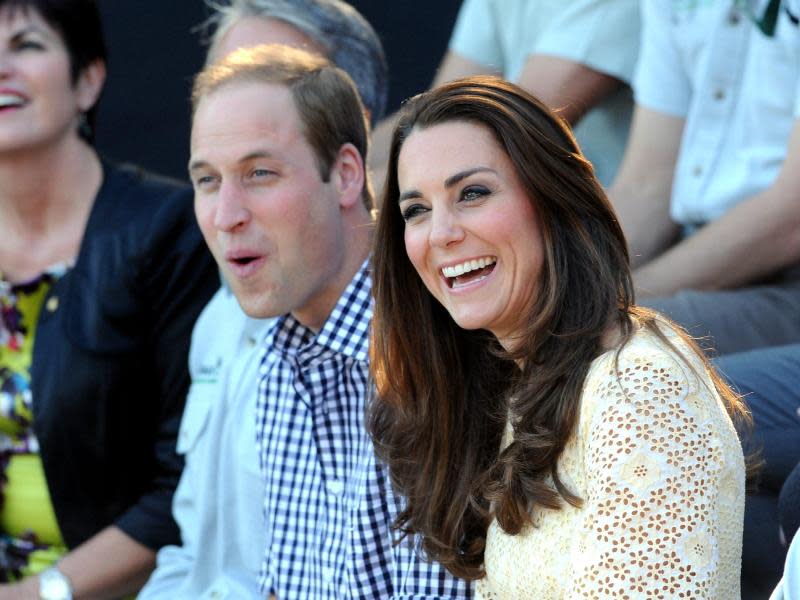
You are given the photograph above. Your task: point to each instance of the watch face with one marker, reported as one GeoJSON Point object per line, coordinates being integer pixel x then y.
{"type": "Point", "coordinates": [53, 585]}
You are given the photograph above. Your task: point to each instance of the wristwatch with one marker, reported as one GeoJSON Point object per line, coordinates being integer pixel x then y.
{"type": "Point", "coordinates": [54, 585]}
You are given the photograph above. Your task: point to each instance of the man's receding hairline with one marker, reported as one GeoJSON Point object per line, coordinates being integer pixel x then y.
{"type": "Point", "coordinates": [241, 81]}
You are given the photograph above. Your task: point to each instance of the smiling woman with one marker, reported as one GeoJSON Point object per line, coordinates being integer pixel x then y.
{"type": "Point", "coordinates": [470, 230]}
{"type": "Point", "coordinates": [552, 439]}
{"type": "Point", "coordinates": [102, 274]}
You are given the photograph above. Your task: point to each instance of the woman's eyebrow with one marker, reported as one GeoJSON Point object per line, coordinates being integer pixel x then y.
{"type": "Point", "coordinates": [26, 30]}
{"type": "Point", "coordinates": [454, 179]}
{"type": "Point", "coordinates": [449, 182]}
{"type": "Point", "coordinates": [409, 195]}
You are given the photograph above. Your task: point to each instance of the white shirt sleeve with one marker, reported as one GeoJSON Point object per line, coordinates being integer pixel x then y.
{"type": "Point", "coordinates": [660, 82]}
{"type": "Point", "coordinates": [475, 35]}
{"type": "Point", "coordinates": [601, 34]}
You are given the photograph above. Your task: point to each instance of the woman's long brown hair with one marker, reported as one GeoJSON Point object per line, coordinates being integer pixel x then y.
{"type": "Point", "coordinates": [443, 392]}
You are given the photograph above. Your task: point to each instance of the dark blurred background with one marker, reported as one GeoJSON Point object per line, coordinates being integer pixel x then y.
{"type": "Point", "coordinates": [155, 49]}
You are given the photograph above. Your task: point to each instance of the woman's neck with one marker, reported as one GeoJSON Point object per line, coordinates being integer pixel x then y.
{"type": "Point", "coordinates": [45, 199]}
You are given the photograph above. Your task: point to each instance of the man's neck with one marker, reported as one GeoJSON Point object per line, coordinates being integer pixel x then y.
{"type": "Point", "coordinates": [358, 240]}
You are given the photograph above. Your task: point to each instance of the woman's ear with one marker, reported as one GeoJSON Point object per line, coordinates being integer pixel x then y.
{"type": "Point", "coordinates": [90, 84]}
{"type": "Point", "coordinates": [348, 175]}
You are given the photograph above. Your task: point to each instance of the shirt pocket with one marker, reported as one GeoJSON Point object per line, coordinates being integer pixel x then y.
{"type": "Point", "coordinates": [195, 415]}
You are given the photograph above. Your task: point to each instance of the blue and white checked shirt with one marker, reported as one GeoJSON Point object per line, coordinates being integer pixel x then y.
{"type": "Point", "coordinates": [328, 504]}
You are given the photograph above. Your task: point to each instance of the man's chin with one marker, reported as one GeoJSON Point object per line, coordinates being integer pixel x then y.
{"type": "Point", "coordinates": [257, 306]}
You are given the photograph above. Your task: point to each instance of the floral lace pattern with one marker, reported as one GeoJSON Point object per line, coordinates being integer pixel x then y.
{"type": "Point", "coordinates": [659, 467]}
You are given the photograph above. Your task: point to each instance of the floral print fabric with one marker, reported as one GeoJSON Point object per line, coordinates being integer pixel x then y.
{"type": "Point", "coordinates": [29, 536]}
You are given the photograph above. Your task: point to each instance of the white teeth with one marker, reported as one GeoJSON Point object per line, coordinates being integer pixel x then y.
{"type": "Point", "coordinates": [467, 266]}
{"type": "Point", "coordinates": [10, 100]}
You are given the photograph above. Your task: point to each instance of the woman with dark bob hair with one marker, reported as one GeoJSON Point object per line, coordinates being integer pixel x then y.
{"type": "Point", "coordinates": [552, 439]}
{"type": "Point", "coordinates": [103, 272]}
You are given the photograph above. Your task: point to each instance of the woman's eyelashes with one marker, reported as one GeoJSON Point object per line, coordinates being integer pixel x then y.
{"type": "Point", "coordinates": [414, 210]}
{"type": "Point", "coordinates": [470, 193]}
{"type": "Point", "coordinates": [474, 192]}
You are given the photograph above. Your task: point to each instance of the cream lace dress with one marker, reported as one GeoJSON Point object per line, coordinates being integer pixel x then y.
{"type": "Point", "coordinates": [660, 469]}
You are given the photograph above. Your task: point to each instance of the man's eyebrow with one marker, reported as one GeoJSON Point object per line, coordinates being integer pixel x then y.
{"type": "Point", "coordinates": [448, 183]}
{"type": "Point", "coordinates": [199, 164]}
{"type": "Point", "coordinates": [256, 154]}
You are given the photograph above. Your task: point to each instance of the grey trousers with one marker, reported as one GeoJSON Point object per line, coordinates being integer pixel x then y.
{"type": "Point", "coordinates": [736, 320]}
{"type": "Point", "coordinates": [769, 380]}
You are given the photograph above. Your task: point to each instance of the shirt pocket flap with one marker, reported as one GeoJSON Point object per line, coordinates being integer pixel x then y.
{"type": "Point", "coordinates": [196, 414]}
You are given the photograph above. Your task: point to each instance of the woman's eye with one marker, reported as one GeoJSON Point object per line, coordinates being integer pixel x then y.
{"type": "Point", "coordinates": [262, 173]}
{"type": "Point", "coordinates": [28, 45]}
{"type": "Point", "coordinates": [474, 192]}
{"type": "Point", "coordinates": [412, 211]}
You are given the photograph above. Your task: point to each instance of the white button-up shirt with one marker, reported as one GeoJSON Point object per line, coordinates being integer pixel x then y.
{"type": "Point", "coordinates": [218, 501]}
{"type": "Point", "coordinates": [737, 89]}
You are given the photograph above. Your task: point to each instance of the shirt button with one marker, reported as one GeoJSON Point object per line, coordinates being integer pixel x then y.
{"type": "Point", "coordinates": [335, 487]}
{"type": "Point", "coordinates": [719, 94]}
{"type": "Point", "coordinates": [697, 171]}
{"type": "Point", "coordinates": [52, 304]}
{"type": "Point", "coordinates": [733, 17]}
{"type": "Point", "coordinates": [251, 341]}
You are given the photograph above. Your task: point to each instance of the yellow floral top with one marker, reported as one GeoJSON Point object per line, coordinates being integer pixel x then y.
{"type": "Point", "coordinates": [659, 467]}
{"type": "Point", "coordinates": [30, 539]}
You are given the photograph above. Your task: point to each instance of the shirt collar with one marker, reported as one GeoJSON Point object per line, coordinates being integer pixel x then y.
{"type": "Point", "coordinates": [346, 331]}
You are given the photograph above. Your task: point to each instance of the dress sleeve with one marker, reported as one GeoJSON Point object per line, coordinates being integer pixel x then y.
{"type": "Point", "coordinates": [661, 470]}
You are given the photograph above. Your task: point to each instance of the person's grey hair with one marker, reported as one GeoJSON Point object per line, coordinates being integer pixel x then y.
{"type": "Point", "coordinates": [349, 40]}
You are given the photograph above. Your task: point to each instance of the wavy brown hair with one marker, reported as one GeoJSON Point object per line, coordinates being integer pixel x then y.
{"type": "Point", "coordinates": [443, 392]}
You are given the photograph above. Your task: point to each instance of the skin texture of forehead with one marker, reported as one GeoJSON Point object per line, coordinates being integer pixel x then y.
{"type": "Point", "coordinates": [273, 119]}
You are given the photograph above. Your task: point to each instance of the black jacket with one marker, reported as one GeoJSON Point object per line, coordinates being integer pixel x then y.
{"type": "Point", "coordinates": [109, 374]}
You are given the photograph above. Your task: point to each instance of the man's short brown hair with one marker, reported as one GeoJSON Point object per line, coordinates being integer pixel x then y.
{"type": "Point", "coordinates": [325, 97]}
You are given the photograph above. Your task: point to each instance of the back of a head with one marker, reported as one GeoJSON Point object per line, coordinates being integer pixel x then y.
{"type": "Point", "coordinates": [350, 41]}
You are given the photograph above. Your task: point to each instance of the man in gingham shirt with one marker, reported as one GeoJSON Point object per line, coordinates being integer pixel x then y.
{"type": "Point", "coordinates": [278, 145]}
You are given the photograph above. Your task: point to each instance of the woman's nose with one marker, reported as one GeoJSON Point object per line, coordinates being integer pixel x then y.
{"type": "Point", "coordinates": [445, 228]}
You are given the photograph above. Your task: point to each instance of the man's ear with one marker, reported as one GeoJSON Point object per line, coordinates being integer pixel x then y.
{"type": "Point", "coordinates": [90, 84]}
{"type": "Point", "coordinates": [348, 175]}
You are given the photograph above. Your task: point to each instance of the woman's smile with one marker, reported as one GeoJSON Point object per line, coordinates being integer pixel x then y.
{"type": "Point", "coordinates": [469, 271]}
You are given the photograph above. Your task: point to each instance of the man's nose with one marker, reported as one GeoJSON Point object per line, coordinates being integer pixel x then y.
{"type": "Point", "coordinates": [232, 210]}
